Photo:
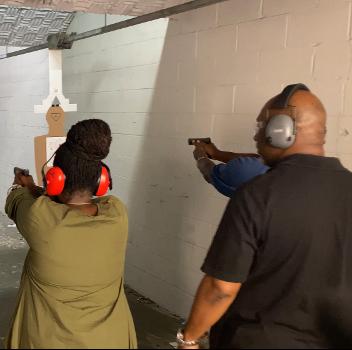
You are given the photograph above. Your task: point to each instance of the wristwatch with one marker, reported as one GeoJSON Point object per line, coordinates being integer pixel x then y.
{"type": "Point", "coordinates": [180, 340]}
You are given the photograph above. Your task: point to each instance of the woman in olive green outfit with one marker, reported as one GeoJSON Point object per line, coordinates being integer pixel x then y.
{"type": "Point", "coordinates": [71, 293]}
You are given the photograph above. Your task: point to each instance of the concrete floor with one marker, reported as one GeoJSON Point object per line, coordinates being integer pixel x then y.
{"type": "Point", "coordinates": [155, 327]}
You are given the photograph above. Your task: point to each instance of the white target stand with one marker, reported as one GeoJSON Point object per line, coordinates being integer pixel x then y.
{"type": "Point", "coordinates": [46, 145]}
{"type": "Point", "coordinates": [55, 86]}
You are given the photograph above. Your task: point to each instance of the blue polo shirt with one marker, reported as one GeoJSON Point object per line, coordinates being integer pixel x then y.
{"type": "Point", "coordinates": [228, 176]}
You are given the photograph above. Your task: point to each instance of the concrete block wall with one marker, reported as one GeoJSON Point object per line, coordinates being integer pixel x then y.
{"type": "Point", "coordinates": [202, 73]}
{"type": "Point", "coordinates": [24, 83]}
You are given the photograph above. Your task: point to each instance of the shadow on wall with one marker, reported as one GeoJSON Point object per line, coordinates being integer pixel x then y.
{"type": "Point", "coordinates": [173, 212]}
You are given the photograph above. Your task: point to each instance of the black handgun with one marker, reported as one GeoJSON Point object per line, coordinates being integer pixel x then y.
{"type": "Point", "coordinates": [17, 170]}
{"type": "Point", "coordinates": [193, 141]}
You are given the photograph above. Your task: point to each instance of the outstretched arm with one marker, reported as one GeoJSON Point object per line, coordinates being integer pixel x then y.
{"type": "Point", "coordinates": [203, 151]}
{"type": "Point", "coordinates": [222, 156]}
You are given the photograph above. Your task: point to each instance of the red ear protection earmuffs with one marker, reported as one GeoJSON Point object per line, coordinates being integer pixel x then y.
{"type": "Point", "coordinates": [104, 182]}
{"type": "Point", "coordinates": [54, 181]}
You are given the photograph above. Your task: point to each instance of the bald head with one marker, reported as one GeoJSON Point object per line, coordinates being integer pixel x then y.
{"type": "Point", "coordinates": [310, 120]}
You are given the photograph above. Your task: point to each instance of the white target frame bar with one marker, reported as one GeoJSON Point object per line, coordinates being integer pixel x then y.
{"type": "Point", "coordinates": [55, 86]}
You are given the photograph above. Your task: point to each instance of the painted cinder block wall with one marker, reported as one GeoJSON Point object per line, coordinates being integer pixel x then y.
{"type": "Point", "coordinates": [201, 73]}
{"type": "Point", "coordinates": [24, 82]}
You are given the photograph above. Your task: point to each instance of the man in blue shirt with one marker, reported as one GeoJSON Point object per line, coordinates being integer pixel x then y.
{"type": "Point", "coordinates": [235, 169]}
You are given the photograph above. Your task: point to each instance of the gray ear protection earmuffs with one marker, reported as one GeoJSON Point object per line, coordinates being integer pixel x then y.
{"type": "Point", "coordinates": [280, 130]}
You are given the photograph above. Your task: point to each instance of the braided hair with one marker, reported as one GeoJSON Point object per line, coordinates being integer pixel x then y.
{"type": "Point", "coordinates": [87, 144]}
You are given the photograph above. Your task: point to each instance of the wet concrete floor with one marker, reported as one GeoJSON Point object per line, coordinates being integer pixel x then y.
{"type": "Point", "coordinates": [155, 326]}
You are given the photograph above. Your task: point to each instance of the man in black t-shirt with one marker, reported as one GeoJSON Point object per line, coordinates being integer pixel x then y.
{"type": "Point", "coordinates": [282, 252]}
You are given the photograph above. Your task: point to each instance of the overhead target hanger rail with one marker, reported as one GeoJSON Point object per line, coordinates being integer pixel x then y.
{"type": "Point", "coordinates": [61, 41]}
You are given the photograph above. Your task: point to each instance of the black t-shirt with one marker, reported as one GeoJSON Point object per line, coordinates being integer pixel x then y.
{"type": "Point", "coordinates": [287, 237]}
